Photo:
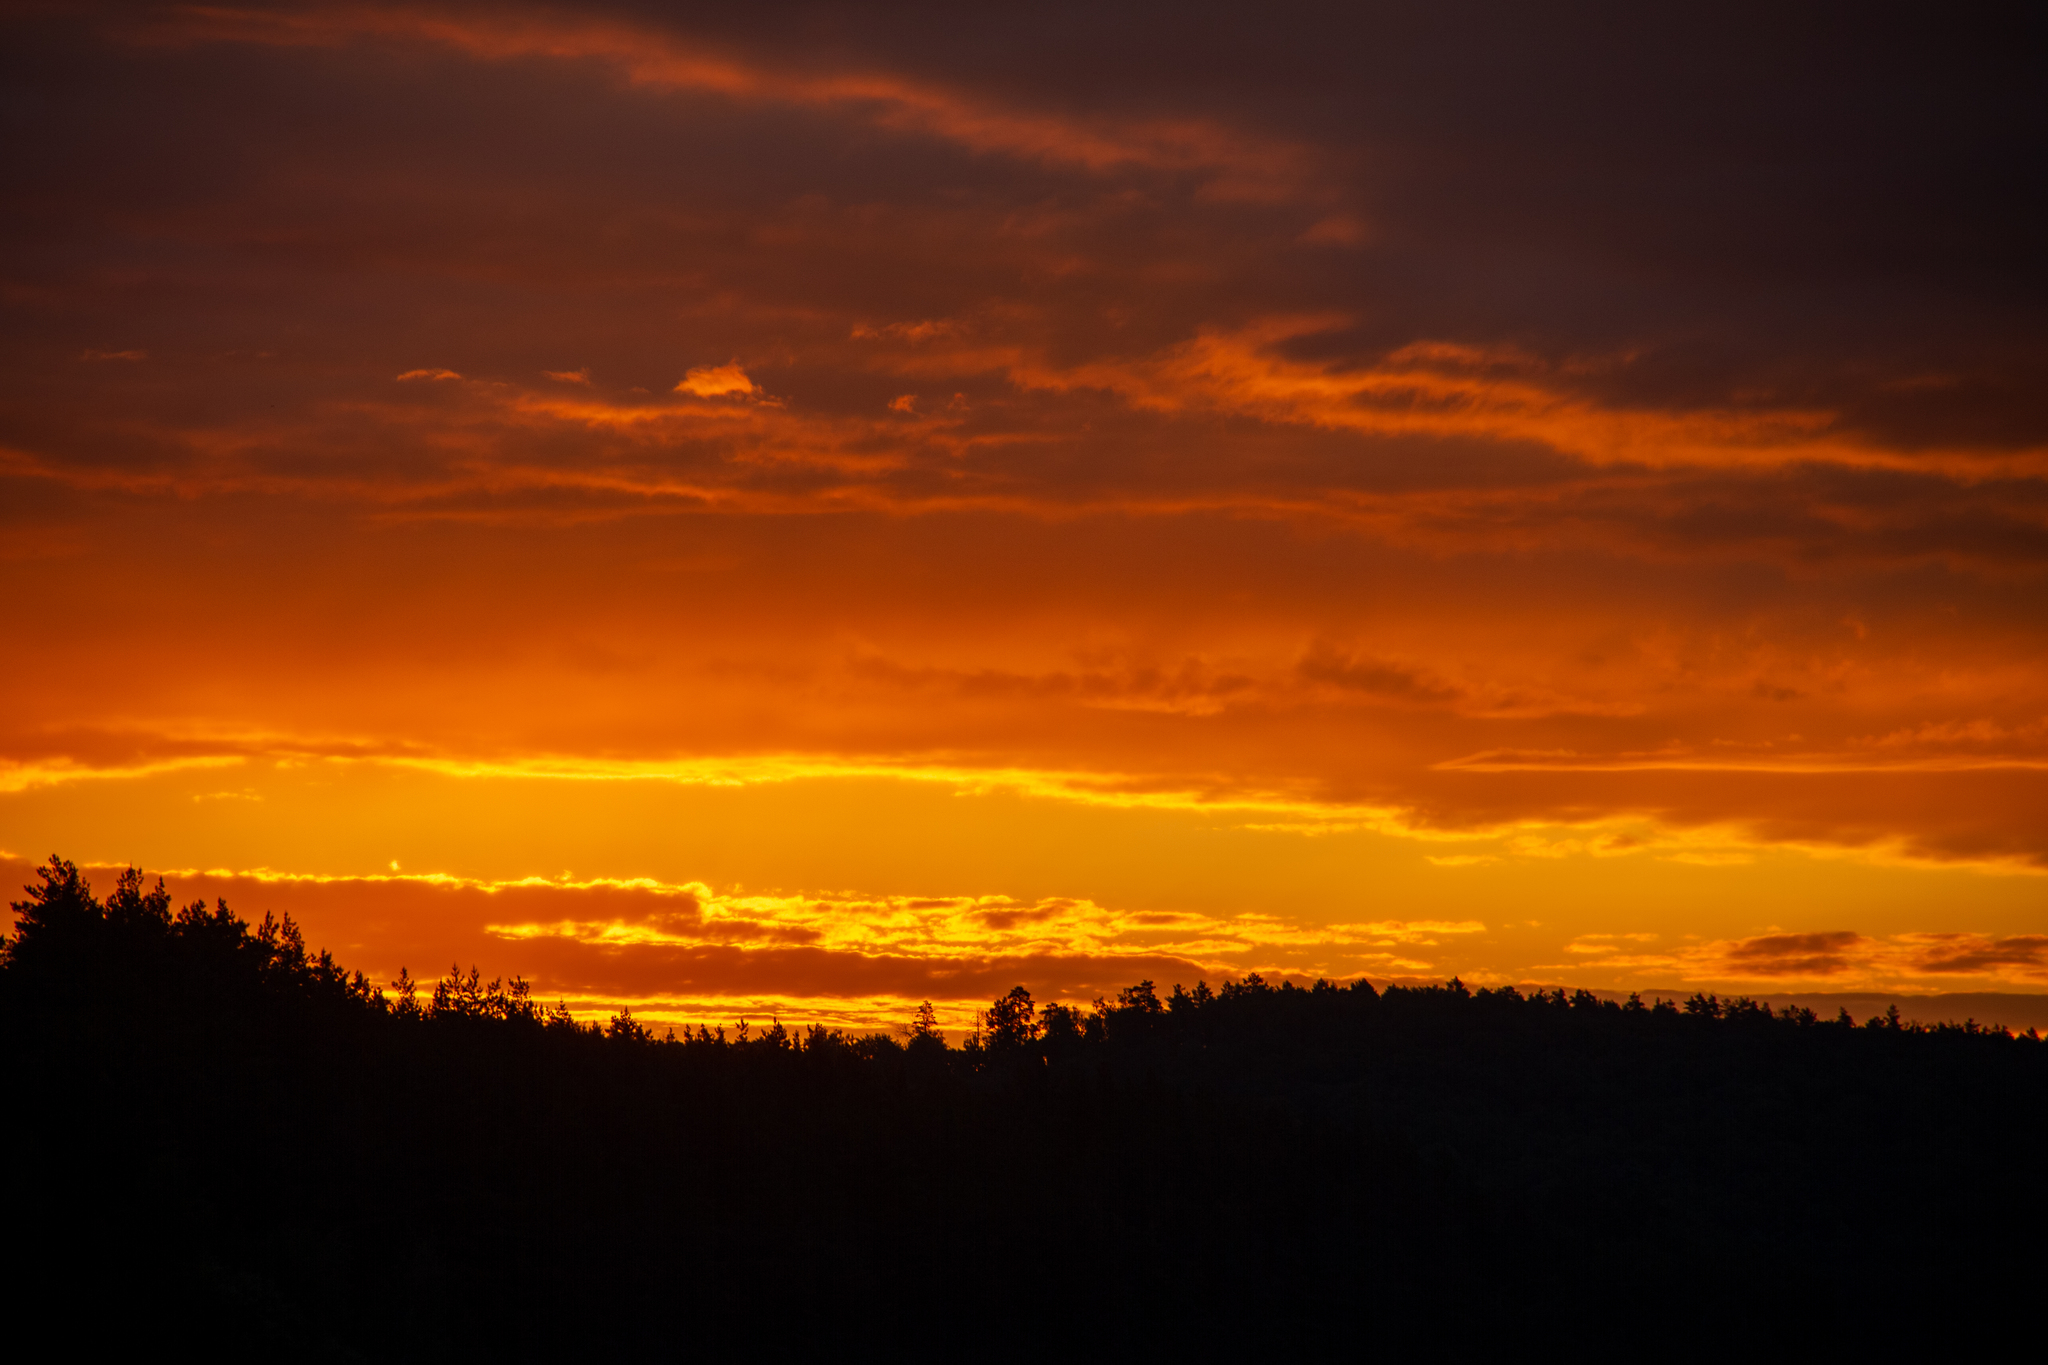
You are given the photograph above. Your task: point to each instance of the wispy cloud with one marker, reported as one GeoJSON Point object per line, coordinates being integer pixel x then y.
{"type": "Point", "coordinates": [1837, 959]}
{"type": "Point", "coordinates": [1241, 164]}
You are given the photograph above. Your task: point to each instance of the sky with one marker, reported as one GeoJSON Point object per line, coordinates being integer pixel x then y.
{"type": "Point", "coordinates": [803, 509]}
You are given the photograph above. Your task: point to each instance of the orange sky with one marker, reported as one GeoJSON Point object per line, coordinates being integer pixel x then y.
{"type": "Point", "coordinates": [834, 506]}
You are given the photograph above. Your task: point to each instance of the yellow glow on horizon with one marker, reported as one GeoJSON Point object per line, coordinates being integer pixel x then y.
{"type": "Point", "coordinates": [1261, 811]}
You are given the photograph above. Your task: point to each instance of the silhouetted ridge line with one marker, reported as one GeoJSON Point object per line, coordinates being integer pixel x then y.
{"type": "Point", "coordinates": [265, 1152]}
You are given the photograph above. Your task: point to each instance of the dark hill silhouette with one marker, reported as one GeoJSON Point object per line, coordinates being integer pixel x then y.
{"type": "Point", "coordinates": [219, 1137]}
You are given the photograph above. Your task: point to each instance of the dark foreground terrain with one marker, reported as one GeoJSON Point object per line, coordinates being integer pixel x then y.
{"type": "Point", "coordinates": [216, 1136]}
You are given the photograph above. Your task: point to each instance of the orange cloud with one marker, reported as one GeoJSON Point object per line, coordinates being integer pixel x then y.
{"type": "Point", "coordinates": [717, 381]}
{"type": "Point", "coordinates": [1449, 389]}
{"type": "Point", "coordinates": [1913, 961]}
{"type": "Point", "coordinates": [1793, 954]}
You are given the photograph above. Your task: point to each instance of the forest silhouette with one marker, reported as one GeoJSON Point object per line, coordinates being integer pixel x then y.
{"type": "Point", "coordinates": [218, 1135]}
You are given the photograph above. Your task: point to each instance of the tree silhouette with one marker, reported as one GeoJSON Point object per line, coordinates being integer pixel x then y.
{"type": "Point", "coordinates": [254, 1150]}
{"type": "Point", "coordinates": [1011, 1020]}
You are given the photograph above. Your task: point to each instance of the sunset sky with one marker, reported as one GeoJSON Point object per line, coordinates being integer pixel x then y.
{"type": "Point", "coordinates": [803, 509]}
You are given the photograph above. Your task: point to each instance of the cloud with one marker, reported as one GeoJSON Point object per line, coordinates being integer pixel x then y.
{"type": "Point", "coordinates": [718, 381]}
{"type": "Point", "coordinates": [1912, 961]}
{"type": "Point", "coordinates": [1448, 389]}
{"type": "Point", "coordinates": [1823, 954]}
{"type": "Point", "coordinates": [1411, 931]}
{"type": "Point", "coordinates": [2025, 954]}
{"type": "Point", "coordinates": [1325, 663]}
{"type": "Point", "coordinates": [649, 56]}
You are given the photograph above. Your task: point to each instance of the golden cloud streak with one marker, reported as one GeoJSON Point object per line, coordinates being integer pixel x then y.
{"type": "Point", "coordinates": [27, 776]}
{"type": "Point", "coordinates": [1615, 834]}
